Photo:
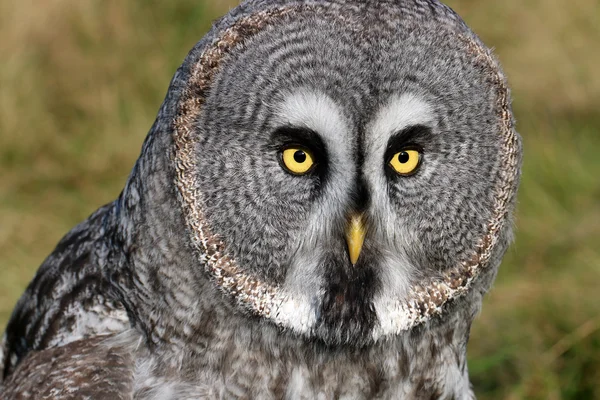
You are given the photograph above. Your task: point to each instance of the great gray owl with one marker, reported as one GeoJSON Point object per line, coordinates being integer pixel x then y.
{"type": "Point", "coordinates": [316, 213]}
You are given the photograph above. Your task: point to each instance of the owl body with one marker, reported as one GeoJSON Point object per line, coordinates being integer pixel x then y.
{"type": "Point", "coordinates": [323, 200]}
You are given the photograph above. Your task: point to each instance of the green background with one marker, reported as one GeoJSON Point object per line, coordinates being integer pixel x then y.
{"type": "Point", "coordinates": [81, 82]}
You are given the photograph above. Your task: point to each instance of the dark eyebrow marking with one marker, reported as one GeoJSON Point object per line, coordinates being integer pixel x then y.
{"type": "Point", "coordinates": [410, 137]}
{"type": "Point", "coordinates": [303, 137]}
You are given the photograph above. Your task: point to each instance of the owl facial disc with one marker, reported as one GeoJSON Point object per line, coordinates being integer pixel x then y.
{"type": "Point", "coordinates": [346, 182]}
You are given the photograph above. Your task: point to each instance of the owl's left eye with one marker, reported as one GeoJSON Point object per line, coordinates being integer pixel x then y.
{"type": "Point", "coordinates": [297, 160]}
{"type": "Point", "coordinates": [406, 162]}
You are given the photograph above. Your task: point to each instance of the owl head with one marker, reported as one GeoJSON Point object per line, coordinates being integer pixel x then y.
{"type": "Point", "coordinates": [346, 170]}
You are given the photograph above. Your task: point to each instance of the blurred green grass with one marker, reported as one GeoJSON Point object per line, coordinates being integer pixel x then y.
{"type": "Point", "coordinates": [81, 82]}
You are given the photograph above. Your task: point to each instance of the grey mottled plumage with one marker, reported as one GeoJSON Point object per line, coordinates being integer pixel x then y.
{"type": "Point", "coordinates": [219, 274]}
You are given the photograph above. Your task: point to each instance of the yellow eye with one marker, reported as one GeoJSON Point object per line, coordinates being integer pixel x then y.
{"type": "Point", "coordinates": [406, 162]}
{"type": "Point", "coordinates": [297, 161]}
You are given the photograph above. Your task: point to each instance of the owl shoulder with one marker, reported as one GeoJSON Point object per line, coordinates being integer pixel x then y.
{"type": "Point", "coordinates": [87, 368]}
{"type": "Point", "coordinates": [69, 298]}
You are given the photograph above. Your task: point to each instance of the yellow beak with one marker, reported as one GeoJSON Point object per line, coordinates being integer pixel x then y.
{"type": "Point", "coordinates": [355, 236]}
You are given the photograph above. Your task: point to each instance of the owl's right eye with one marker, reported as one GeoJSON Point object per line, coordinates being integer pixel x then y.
{"type": "Point", "coordinates": [297, 160]}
